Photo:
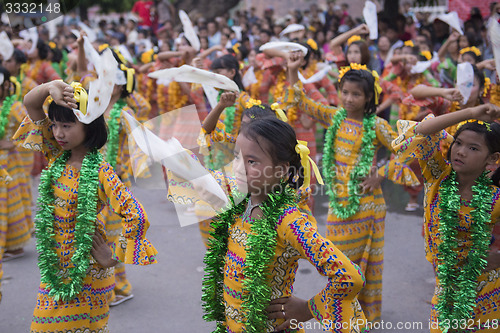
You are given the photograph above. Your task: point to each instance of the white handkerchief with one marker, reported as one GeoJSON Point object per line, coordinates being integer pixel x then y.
{"type": "Point", "coordinates": [189, 32]}
{"type": "Point", "coordinates": [284, 46]}
{"type": "Point", "coordinates": [211, 94]}
{"type": "Point", "coordinates": [191, 74]}
{"type": "Point", "coordinates": [315, 77]}
{"type": "Point", "coordinates": [494, 33]}
{"type": "Point", "coordinates": [370, 16]}
{"type": "Point", "coordinates": [90, 33]}
{"type": "Point", "coordinates": [465, 79]}
{"type": "Point", "coordinates": [249, 78]}
{"type": "Point", "coordinates": [6, 47]}
{"type": "Point", "coordinates": [420, 66]}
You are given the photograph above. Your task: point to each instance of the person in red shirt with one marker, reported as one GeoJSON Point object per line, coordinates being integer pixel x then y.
{"type": "Point", "coordinates": [143, 10]}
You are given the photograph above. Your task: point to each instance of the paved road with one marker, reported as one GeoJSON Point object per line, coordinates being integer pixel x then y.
{"type": "Point", "coordinates": [167, 295]}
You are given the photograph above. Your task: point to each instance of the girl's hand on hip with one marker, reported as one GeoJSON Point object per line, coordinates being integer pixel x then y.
{"type": "Point", "coordinates": [288, 308]}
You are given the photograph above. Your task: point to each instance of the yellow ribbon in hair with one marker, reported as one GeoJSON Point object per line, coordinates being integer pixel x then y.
{"type": "Point", "coordinates": [16, 83]}
{"type": "Point", "coordinates": [120, 55]}
{"type": "Point", "coordinates": [312, 43]}
{"type": "Point", "coordinates": [80, 96]}
{"type": "Point", "coordinates": [279, 112]}
{"type": "Point", "coordinates": [130, 76]}
{"type": "Point", "coordinates": [377, 87]}
{"type": "Point", "coordinates": [353, 39]}
{"type": "Point", "coordinates": [426, 54]}
{"type": "Point", "coordinates": [307, 162]}
{"type": "Point", "coordinates": [102, 47]}
{"type": "Point", "coordinates": [409, 43]}
{"type": "Point", "coordinates": [236, 48]}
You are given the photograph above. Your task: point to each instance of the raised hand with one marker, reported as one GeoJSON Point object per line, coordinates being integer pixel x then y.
{"type": "Point", "coordinates": [486, 112]}
{"type": "Point", "coordinates": [453, 94]}
{"type": "Point", "coordinates": [63, 94]}
{"type": "Point", "coordinates": [228, 99]}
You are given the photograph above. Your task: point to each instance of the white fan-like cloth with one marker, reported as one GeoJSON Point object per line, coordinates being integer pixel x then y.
{"type": "Point", "coordinates": [191, 74]}
{"type": "Point", "coordinates": [189, 31]}
{"type": "Point", "coordinates": [284, 46]}
{"type": "Point", "coordinates": [465, 80]}
{"type": "Point", "coordinates": [6, 46]}
{"type": "Point", "coordinates": [370, 16]}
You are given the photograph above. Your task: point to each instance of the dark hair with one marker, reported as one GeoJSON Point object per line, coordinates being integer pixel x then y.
{"type": "Point", "coordinates": [491, 133]}
{"type": "Point", "coordinates": [19, 56]}
{"type": "Point", "coordinates": [479, 75]}
{"type": "Point", "coordinates": [366, 80]}
{"type": "Point", "coordinates": [43, 49]}
{"type": "Point", "coordinates": [259, 112]}
{"type": "Point", "coordinates": [6, 75]}
{"type": "Point", "coordinates": [56, 55]}
{"type": "Point", "coordinates": [363, 48]}
{"type": "Point", "coordinates": [280, 147]}
{"type": "Point", "coordinates": [229, 62]}
{"type": "Point", "coordinates": [96, 133]}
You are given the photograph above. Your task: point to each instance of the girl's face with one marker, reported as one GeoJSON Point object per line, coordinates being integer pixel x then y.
{"type": "Point", "coordinates": [463, 42]}
{"type": "Point", "coordinates": [254, 168]}
{"type": "Point", "coordinates": [384, 44]}
{"type": "Point", "coordinates": [204, 43]}
{"type": "Point", "coordinates": [467, 58]}
{"type": "Point", "coordinates": [69, 135]}
{"type": "Point", "coordinates": [353, 97]}
{"type": "Point", "coordinates": [470, 154]}
{"type": "Point", "coordinates": [354, 54]}
{"type": "Point", "coordinates": [251, 58]}
{"type": "Point", "coordinates": [229, 73]}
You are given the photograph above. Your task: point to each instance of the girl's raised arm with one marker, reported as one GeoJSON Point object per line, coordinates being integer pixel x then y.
{"type": "Point", "coordinates": [485, 112]}
{"type": "Point", "coordinates": [61, 92]}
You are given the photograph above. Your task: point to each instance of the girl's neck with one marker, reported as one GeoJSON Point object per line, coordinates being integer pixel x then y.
{"type": "Point", "coordinates": [77, 156]}
{"type": "Point", "coordinates": [356, 115]}
{"type": "Point", "coordinates": [467, 180]}
{"type": "Point", "coordinates": [258, 198]}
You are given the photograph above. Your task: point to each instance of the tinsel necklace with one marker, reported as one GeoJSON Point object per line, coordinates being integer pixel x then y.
{"type": "Point", "coordinates": [260, 249]}
{"type": "Point", "coordinates": [457, 299]}
{"type": "Point", "coordinates": [114, 132]}
{"type": "Point", "coordinates": [48, 259]}
{"type": "Point", "coordinates": [361, 170]}
{"type": "Point", "coordinates": [5, 113]}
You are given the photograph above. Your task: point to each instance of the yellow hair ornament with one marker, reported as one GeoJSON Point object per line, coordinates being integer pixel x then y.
{"type": "Point", "coordinates": [480, 122]}
{"type": "Point", "coordinates": [279, 112]}
{"type": "Point", "coordinates": [102, 47]}
{"type": "Point", "coordinates": [80, 96]}
{"type": "Point", "coordinates": [353, 66]}
{"type": "Point", "coordinates": [472, 49]}
{"type": "Point", "coordinates": [426, 54]}
{"type": "Point", "coordinates": [16, 84]}
{"type": "Point", "coordinates": [312, 43]}
{"type": "Point", "coordinates": [236, 48]}
{"type": "Point", "coordinates": [377, 87]}
{"type": "Point", "coordinates": [253, 102]}
{"type": "Point", "coordinates": [130, 76]}
{"type": "Point", "coordinates": [487, 84]}
{"type": "Point", "coordinates": [52, 45]}
{"type": "Point", "coordinates": [353, 39]}
{"type": "Point", "coordinates": [147, 57]}
{"type": "Point", "coordinates": [409, 43]}
{"type": "Point", "coordinates": [307, 162]}
{"type": "Point", "coordinates": [311, 28]}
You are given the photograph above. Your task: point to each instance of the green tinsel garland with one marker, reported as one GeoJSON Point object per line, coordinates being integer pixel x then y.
{"type": "Point", "coordinates": [114, 132]}
{"type": "Point", "coordinates": [5, 112]}
{"type": "Point", "coordinates": [261, 246]}
{"type": "Point", "coordinates": [458, 296]}
{"type": "Point", "coordinates": [361, 170]}
{"type": "Point", "coordinates": [218, 160]}
{"type": "Point", "coordinates": [48, 260]}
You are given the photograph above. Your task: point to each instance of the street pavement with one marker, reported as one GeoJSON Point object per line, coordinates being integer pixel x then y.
{"type": "Point", "coordinates": [167, 294]}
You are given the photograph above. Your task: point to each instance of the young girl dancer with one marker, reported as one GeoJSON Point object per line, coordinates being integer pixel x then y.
{"type": "Point", "coordinates": [253, 256]}
{"type": "Point", "coordinates": [462, 205]}
{"type": "Point", "coordinates": [74, 258]}
{"type": "Point", "coordinates": [357, 208]}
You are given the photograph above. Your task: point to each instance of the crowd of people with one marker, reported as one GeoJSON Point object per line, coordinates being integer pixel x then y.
{"type": "Point", "coordinates": [418, 106]}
